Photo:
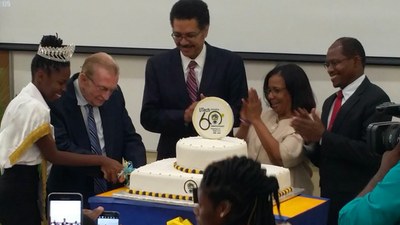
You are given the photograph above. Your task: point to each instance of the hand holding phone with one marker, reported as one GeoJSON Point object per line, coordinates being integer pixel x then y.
{"type": "Point", "coordinates": [65, 208]}
{"type": "Point", "coordinates": [108, 218]}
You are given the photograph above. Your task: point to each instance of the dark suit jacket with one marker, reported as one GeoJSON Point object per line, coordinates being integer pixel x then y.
{"type": "Point", "coordinates": [165, 95]}
{"type": "Point", "coordinates": [345, 164]}
{"type": "Point", "coordinates": [121, 140]}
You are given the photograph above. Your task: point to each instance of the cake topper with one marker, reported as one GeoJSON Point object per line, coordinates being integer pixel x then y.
{"type": "Point", "coordinates": [125, 173]}
{"type": "Point", "coordinates": [212, 118]}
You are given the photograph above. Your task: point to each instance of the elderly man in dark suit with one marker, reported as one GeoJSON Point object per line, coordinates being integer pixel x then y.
{"type": "Point", "coordinates": [337, 142]}
{"type": "Point", "coordinates": [112, 134]}
{"type": "Point", "coordinates": [173, 88]}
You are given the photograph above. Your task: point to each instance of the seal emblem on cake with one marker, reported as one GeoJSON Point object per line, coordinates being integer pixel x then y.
{"type": "Point", "coordinates": [189, 186]}
{"type": "Point", "coordinates": [212, 118]}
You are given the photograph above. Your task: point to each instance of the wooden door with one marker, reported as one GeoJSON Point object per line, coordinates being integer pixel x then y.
{"type": "Point", "coordinates": [4, 81]}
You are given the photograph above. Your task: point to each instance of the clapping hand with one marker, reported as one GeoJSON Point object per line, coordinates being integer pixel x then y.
{"type": "Point", "coordinates": [309, 127]}
{"type": "Point", "coordinates": [251, 108]}
{"type": "Point", "coordinates": [187, 116]}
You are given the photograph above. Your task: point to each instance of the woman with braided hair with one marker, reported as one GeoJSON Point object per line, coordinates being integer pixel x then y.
{"type": "Point", "coordinates": [236, 191]}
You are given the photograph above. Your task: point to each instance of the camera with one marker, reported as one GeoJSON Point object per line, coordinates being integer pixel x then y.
{"type": "Point", "coordinates": [383, 136]}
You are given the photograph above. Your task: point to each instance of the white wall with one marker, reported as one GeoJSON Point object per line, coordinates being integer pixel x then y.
{"type": "Point", "coordinates": [305, 26]}
{"type": "Point", "coordinates": [132, 81]}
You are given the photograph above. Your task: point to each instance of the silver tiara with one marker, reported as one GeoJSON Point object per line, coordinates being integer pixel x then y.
{"type": "Point", "coordinates": [59, 54]}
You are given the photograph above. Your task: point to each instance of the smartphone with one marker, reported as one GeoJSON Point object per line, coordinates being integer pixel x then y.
{"type": "Point", "coordinates": [64, 208]}
{"type": "Point", "coordinates": [108, 218]}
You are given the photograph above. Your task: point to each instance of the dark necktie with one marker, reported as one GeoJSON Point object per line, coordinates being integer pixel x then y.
{"type": "Point", "coordinates": [191, 82]}
{"type": "Point", "coordinates": [100, 184]}
{"type": "Point", "coordinates": [336, 108]}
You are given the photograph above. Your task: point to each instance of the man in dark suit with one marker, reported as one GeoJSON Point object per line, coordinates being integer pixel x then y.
{"type": "Point", "coordinates": [96, 86]}
{"type": "Point", "coordinates": [340, 150]}
{"type": "Point", "coordinates": [167, 104]}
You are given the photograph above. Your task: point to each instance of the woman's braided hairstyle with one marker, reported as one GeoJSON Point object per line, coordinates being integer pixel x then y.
{"type": "Point", "coordinates": [243, 183]}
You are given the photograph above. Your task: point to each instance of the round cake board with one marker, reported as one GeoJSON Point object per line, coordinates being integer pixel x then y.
{"type": "Point", "coordinates": [213, 118]}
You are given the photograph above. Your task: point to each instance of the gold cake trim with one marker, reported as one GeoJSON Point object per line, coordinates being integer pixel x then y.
{"type": "Point", "coordinates": [161, 195]}
{"type": "Point", "coordinates": [187, 197]}
{"type": "Point", "coordinates": [187, 170]}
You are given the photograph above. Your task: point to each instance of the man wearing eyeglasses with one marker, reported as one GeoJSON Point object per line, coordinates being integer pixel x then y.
{"type": "Point", "coordinates": [172, 90]}
{"type": "Point", "coordinates": [91, 118]}
{"type": "Point", "coordinates": [337, 144]}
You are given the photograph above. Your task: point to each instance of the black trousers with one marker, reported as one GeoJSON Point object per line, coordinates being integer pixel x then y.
{"type": "Point", "coordinates": [19, 196]}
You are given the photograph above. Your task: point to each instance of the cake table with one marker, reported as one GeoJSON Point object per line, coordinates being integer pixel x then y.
{"type": "Point", "coordinates": [298, 210]}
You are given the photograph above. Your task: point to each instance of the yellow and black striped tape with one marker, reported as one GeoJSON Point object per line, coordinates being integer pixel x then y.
{"type": "Point", "coordinates": [285, 191]}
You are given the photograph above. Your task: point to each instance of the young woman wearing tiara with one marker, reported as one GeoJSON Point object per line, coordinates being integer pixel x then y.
{"type": "Point", "coordinates": [27, 142]}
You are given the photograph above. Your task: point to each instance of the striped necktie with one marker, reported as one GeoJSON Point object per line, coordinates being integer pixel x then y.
{"type": "Point", "coordinates": [100, 184]}
{"type": "Point", "coordinates": [191, 81]}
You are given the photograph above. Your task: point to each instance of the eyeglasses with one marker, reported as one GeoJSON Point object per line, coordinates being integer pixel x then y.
{"type": "Point", "coordinates": [274, 91]}
{"type": "Point", "coordinates": [334, 62]}
{"type": "Point", "coordinates": [188, 36]}
{"type": "Point", "coordinates": [100, 88]}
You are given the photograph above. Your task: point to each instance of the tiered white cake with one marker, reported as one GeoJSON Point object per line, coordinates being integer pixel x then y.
{"type": "Point", "coordinates": [172, 180]}
{"type": "Point", "coordinates": [175, 178]}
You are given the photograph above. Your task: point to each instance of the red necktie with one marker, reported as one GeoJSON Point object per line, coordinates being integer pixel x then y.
{"type": "Point", "coordinates": [336, 108]}
{"type": "Point", "coordinates": [191, 82]}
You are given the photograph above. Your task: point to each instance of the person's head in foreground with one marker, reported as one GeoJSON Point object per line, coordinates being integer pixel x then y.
{"type": "Point", "coordinates": [236, 191]}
